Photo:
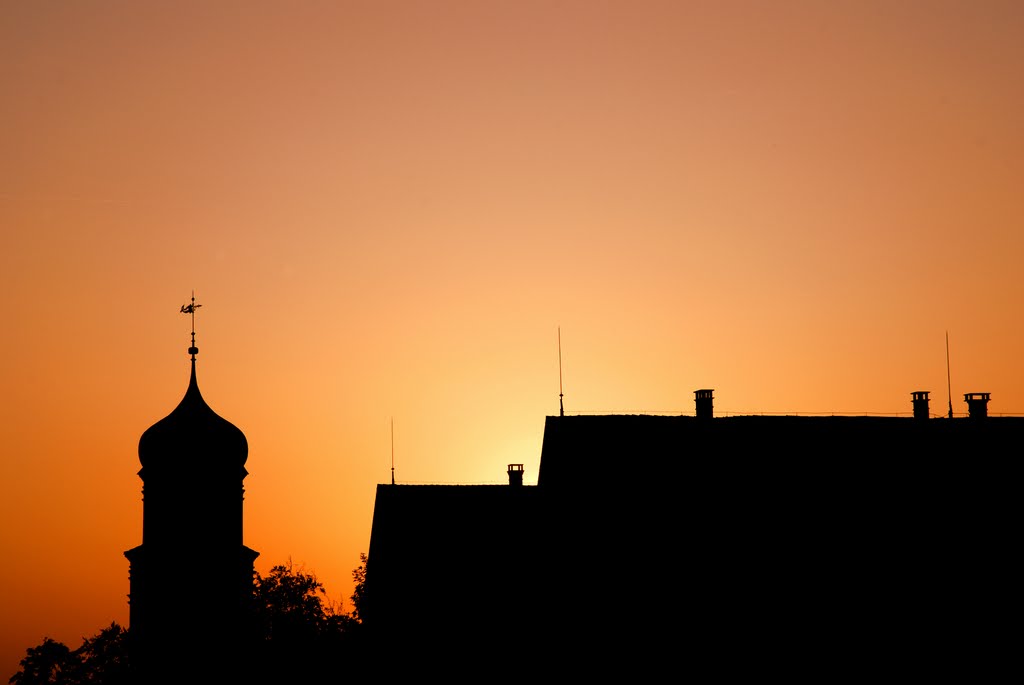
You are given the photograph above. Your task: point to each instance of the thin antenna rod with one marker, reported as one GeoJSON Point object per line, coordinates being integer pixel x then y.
{"type": "Point", "coordinates": [392, 450]}
{"type": "Point", "coordinates": [561, 407]}
{"type": "Point", "coordinates": [949, 386]}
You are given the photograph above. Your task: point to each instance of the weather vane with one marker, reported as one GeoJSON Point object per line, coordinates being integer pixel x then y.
{"type": "Point", "coordinates": [191, 310]}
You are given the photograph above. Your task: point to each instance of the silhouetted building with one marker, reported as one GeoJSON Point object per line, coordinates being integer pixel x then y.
{"type": "Point", "coordinates": [191, 578]}
{"type": "Point", "coordinates": [454, 566]}
{"type": "Point", "coordinates": [742, 543]}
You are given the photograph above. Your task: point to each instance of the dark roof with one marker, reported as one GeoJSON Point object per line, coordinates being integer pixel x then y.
{"type": "Point", "coordinates": [763, 536]}
{"type": "Point", "coordinates": [645, 452]}
{"type": "Point", "coordinates": [451, 566]}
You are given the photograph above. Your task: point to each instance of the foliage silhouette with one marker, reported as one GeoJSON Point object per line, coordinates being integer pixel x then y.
{"type": "Point", "coordinates": [359, 594]}
{"type": "Point", "coordinates": [45, 663]}
{"type": "Point", "coordinates": [102, 658]}
{"type": "Point", "coordinates": [298, 635]}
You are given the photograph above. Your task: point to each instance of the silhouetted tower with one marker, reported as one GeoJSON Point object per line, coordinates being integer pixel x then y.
{"type": "Point", "coordinates": [977, 404]}
{"type": "Point", "coordinates": [515, 474]}
{"type": "Point", "coordinates": [705, 403]}
{"type": "Point", "coordinates": [920, 404]}
{"type": "Point", "coordinates": [191, 579]}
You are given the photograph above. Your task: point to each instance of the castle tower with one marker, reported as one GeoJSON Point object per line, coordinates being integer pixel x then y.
{"type": "Point", "coordinates": [191, 579]}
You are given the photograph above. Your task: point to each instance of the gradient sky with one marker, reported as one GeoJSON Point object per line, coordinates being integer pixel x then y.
{"type": "Point", "coordinates": [388, 209]}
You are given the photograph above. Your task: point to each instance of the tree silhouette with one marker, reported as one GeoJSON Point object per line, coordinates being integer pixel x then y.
{"type": "Point", "coordinates": [102, 658]}
{"type": "Point", "coordinates": [44, 664]}
{"type": "Point", "coordinates": [359, 594]}
{"type": "Point", "coordinates": [300, 633]}
{"type": "Point", "coordinates": [297, 635]}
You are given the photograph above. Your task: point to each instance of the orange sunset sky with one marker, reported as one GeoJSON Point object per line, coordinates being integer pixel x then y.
{"type": "Point", "coordinates": [388, 209]}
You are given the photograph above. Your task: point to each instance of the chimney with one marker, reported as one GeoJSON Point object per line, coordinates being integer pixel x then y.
{"type": "Point", "coordinates": [515, 474]}
{"type": "Point", "coordinates": [704, 401]}
{"type": "Point", "coordinates": [920, 404]}
{"type": "Point", "coordinates": [977, 404]}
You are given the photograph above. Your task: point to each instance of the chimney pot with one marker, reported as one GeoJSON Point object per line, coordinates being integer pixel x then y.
{"type": "Point", "coordinates": [515, 474]}
{"type": "Point", "coordinates": [705, 403]}
{"type": "Point", "coordinates": [920, 404]}
{"type": "Point", "coordinates": [977, 404]}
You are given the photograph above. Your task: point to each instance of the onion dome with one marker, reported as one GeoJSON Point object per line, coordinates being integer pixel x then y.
{"type": "Point", "coordinates": [193, 434]}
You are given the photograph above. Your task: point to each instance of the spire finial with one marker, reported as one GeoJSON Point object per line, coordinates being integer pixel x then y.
{"type": "Point", "coordinates": [191, 310]}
